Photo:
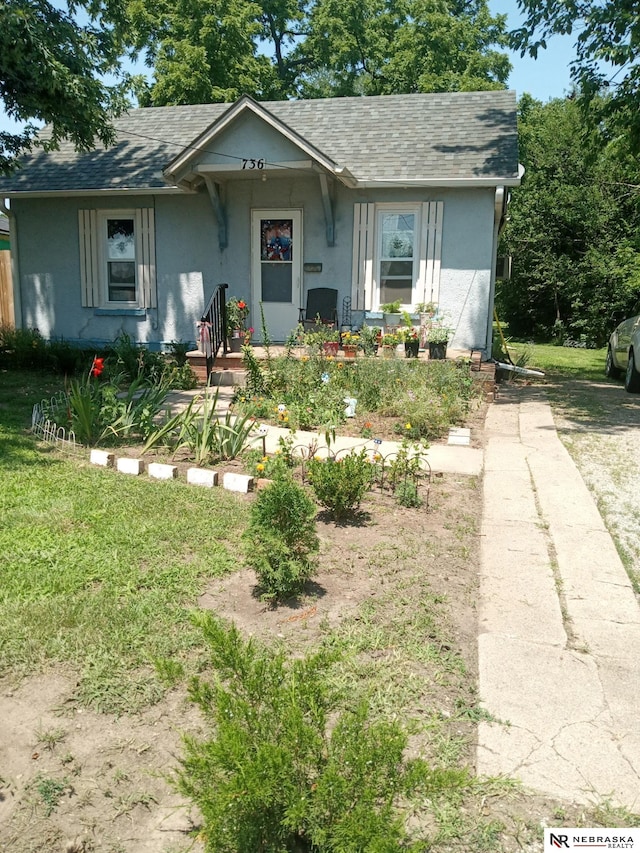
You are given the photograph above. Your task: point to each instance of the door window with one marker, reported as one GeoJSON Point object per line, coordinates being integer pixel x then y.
{"type": "Point", "coordinates": [276, 256]}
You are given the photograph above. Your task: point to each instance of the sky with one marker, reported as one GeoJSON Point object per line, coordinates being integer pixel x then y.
{"type": "Point", "coordinates": [544, 78]}
{"type": "Point", "coordinates": [548, 75]}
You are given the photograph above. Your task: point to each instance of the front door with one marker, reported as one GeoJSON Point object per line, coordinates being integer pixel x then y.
{"type": "Point", "coordinates": [276, 270]}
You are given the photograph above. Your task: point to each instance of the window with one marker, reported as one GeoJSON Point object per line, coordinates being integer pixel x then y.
{"type": "Point", "coordinates": [397, 274]}
{"type": "Point", "coordinates": [117, 259]}
{"type": "Point", "coordinates": [120, 259]}
{"type": "Point", "coordinates": [396, 253]}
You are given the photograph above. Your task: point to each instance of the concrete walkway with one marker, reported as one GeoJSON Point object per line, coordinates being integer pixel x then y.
{"type": "Point", "coordinates": [559, 625]}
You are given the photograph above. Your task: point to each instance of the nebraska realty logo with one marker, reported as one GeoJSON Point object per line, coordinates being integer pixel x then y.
{"type": "Point", "coordinates": [591, 839]}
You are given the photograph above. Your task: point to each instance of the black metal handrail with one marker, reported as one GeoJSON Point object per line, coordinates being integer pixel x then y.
{"type": "Point", "coordinates": [214, 326]}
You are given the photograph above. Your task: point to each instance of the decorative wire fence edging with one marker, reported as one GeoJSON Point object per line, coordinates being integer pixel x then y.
{"type": "Point", "coordinates": [44, 417]}
{"type": "Point", "coordinates": [390, 470]}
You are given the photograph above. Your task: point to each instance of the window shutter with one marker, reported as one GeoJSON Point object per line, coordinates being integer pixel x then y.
{"type": "Point", "coordinates": [431, 251]}
{"type": "Point", "coordinates": [90, 253]}
{"type": "Point", "coordinates": [89, 274]}
{"type": "Point", "coordinates": [146, 255]}
{"type": "Point", "coordinates": [363, 252]}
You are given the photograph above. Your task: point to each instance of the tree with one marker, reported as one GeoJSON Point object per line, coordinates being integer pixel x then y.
{"type": "Point", "coordinates": [573, 228]}
{"type": "Point", "coordinates": [52, 70]}
{"type": "Point", "coordinates": [381, 47]}
{"type": "Point", "coordinates": [606, 60]}
{"type": "Point", "coordinates": [201, 50]}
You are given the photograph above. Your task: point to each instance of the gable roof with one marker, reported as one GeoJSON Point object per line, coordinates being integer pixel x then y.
{"type": "Point", "coordinates": [437, 138]}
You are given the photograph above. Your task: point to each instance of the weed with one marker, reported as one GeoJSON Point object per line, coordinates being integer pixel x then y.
{"type": "Point", "coordinates": [49, 738]}
{"type": "Point", "coordinates": [51, 792]}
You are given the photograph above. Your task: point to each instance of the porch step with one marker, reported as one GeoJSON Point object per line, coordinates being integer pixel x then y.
{"type": "Point", "coordinates": [227, 370]}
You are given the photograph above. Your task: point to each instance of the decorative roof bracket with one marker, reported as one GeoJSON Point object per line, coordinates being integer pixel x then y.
{"type": "Point", "coordinates": [327, 203]}
{"type": "Point", "coordinates": [220, 212]}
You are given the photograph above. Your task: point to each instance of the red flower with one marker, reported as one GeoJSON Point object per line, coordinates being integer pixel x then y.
{"type": "Point", "coordinates": [242, 305]}
{"type": "Point", "coordinates": [97, 367]}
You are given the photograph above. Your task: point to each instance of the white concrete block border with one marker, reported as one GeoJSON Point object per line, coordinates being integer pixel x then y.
{"type": "Point", "coordinates": [125, 465]}
{"type": "Point", "coordinates": [203, 477]}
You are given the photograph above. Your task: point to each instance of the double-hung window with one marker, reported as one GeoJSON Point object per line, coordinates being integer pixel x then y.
{"type": "Point", "coordinates": [396, 254]}
{"type": "Point", "coordinates": [117, 259]}
{"type": "Point", "coordinates": [397, 268]}
{"type": "Point", "coordinates": [118, 233]}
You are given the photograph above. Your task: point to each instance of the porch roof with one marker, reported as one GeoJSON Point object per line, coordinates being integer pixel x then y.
{"type": "Point", "coordinates": [438, 139]}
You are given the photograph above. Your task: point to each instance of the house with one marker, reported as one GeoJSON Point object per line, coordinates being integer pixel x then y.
{"type": "Point", "coordinates": [382, 198]}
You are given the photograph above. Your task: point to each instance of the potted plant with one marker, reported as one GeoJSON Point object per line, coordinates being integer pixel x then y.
{"type": "Point", "coordinates": [389, 345]}
{"type": "Point", "coordinates": [237, 313]}
{"type": "Point", "coordinates": [437, 340]}
{"type": "Point", "coordinates": [322, 338]}
{"type": "Point", "coordinates": [427, 311]}
{"type": "Point", "coordinates": [350, 344]}
{"type": "Point", "coordinates": [411, 342]}
{"type": "Point", "coordinates": [370, 337]}
{"type": "Point", "coordinates": [391, 311]}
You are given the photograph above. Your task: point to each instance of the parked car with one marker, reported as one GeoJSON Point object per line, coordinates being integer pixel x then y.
{"type": "Point", "coordinates": [623, 353]}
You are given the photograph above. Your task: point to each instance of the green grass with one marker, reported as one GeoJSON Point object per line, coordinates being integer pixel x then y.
{"type": "Point", "coordinates": [99, 571]}
{"type": "Point", "coordinates": [571, 362]}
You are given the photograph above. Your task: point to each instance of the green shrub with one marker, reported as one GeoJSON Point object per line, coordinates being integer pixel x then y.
{"type": "Point", "coordinates": [23, 349]}
{"type": "Point", "coordinates": [273, 776]}
{"type": "Point", "coordinates": [281, 540]}
{"type": "Point", "coordinates": [340, 484]}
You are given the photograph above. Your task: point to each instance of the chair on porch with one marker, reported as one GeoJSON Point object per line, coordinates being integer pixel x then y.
{"type": "Point", "coordinates": [321, 302]}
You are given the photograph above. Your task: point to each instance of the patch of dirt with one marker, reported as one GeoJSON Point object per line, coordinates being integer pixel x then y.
{"type": "Point", "coordinates": [101, 778]}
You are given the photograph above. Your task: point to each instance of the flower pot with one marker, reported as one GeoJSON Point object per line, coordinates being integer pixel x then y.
{"type": "Point", "coordinates": [331, 348]}
{"type": "Point", "coordinates": [438, 350]}
{"type": "Point", "coordinates": [411, 349]}
{"type": "Point", "coordinates": [235, 343]}
{"type": "Point", "coordinates": [349, 350]}
{"type": "Point", "coordinates": [392, 319]}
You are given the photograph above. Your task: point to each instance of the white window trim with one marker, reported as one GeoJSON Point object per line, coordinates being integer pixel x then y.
{"type": "Point", "coordinates": [93, 261]}
{"type": "Point", "coordinates": [400, 209]}
{"type": "Point", "coordinates": [103, 218]}
{"type": "Point", "coordinates": [365, 284]}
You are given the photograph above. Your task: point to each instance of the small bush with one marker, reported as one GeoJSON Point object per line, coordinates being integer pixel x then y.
{"type": "Point", "coordinates": [340, 484]}
{"type": "Point", "coordinates": [274, 776]}
{"type": "Point", "coordinates": [281, 540]}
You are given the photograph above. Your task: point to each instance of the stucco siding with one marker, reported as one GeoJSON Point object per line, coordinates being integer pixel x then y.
{"type": "Point", "coordinates": [190, 263]}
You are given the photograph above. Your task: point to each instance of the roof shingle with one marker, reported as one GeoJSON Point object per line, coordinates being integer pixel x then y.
{"type": "Point", "coordinates": [457, 135]}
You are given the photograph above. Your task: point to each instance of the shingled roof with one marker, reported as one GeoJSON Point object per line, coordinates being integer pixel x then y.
{"type": "Point", "coordinates": [456, 136]}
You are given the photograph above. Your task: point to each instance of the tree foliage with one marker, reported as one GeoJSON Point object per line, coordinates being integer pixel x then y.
{"type": "Point", "coordinates": [203, 51]}
{"type": "Point", "coordinates": [573, 229]}
{"type": "Point", "coordinates": [52, 70]}
{"type": "Point", "coordinates": [606, 52]}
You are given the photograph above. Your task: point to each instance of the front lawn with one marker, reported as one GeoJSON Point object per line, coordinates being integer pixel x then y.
{"type": "Point", "coordinates": [100, 576]}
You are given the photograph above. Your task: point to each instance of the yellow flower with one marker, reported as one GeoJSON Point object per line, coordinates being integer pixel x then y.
{"type": "Point", "coordinates": [260, 467]}
{"type": "Point", "coordinates": [340, 365]}
{"type": "Point", "coordinates": [407, 426]}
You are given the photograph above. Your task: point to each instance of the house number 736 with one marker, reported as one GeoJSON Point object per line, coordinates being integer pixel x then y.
{"type": "Point", "coordinates": [252, 164]}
